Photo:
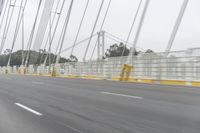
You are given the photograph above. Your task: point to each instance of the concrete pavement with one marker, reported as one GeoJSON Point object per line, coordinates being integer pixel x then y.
{"type": "Point", "coordinates": [92, 106]}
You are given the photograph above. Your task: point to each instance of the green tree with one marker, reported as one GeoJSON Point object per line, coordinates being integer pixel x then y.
{"type": "Point", "coordinates": [116, 50]}
{"type": "Point", "coordinates": [149, 51]}
{"type": "Point", "coordinates": [72, 58]}
{"type": "Point", "coordinates": [36, 58]}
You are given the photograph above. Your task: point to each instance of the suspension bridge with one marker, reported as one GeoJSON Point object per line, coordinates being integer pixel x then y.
{"type": "Point", "coordinates": [138, 91]}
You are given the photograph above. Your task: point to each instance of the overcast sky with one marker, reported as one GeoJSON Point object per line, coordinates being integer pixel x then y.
{"type": "Point", "coordinates": [158, 24]}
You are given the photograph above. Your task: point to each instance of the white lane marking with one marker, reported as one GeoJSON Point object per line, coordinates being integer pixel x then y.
{"type": "Point", "coordinates": [122, 95]}
{"type": "Point", "coordinates": [28, 109]}
{"type": "Point", "coordinates": [39, 83]}
{"type": "Point", "coordinates": [72, 128]}
{"type": "Point", "coordinates": [76, 130]}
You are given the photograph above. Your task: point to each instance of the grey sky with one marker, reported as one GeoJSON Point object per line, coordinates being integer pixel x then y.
{"type": "Point", "coordinates": [155, 33]}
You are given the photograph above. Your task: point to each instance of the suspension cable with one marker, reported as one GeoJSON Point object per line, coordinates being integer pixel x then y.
{"type": "Point", "coordinates": [104, 19]}
{"type": "Point", "coordinates": [117, 38]}
{"type": "Point", "coordinates": [121, 40]}
{"type": "Point", "coordinates": [78, 43]}
{"type": "Point", "coordinates": [20, 15]}
{"type": "Point", "coordinates": [7, 25]}
{"type": "Point", "coordinates": [59, 42]}
{"type": "Point", "coordinates": [4, 13]}
{"type": "Point", "coordinates": [32, 34]}
{"type": "Point", "coordinates": [52, 22]}
{"type": "Point", "coordinates": [22, 39]}
{"type": "Point", "coordinates": [54, 30]}
{"type": "Point", "coordinates": [79, 29]}
{"type": "Point", "coordinates": [49, 38]}
{"type": "Point", "coordinates": [65, 30]}
{"type": "Point", "coordinates": [97, 18]}
{"type": "Point", "coordinates": [58, 46]}
{"type": "Point", "coordinates": [133, 24]}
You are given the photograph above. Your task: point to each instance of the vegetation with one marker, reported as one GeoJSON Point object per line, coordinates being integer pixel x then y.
{"type": "Point", "coordinates": [36, 58]}
{"type": "Point", "coordinates": [117, 50]}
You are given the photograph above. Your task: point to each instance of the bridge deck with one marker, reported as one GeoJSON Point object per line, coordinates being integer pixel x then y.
{"type": "Point", "coordinates": [30, 104]}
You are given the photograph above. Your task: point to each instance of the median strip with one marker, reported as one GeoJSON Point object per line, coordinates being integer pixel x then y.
{"type": "Point", "coordinates": [28, 109]}
{"type": "Point", "coordinates": [122, 95]}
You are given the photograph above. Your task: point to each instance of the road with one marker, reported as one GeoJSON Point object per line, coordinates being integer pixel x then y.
{"type": "Point", "coordinates": [31, 104]}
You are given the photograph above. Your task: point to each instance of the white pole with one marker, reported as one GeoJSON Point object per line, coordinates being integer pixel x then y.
{"type": "Point", "coordinates": [176, 26]}
{"type": "Point", "coordinates": [138, 31]}
{"type": "Point", "coordinates": [64, 30]}
{"type": "Point", "coordinates": [22, 40]}
{"type": "Point", "coordinates": [140, 24]}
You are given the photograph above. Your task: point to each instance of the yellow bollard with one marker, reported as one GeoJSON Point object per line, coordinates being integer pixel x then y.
{"type": "Point", "coordinates": [24, 71]}
{"type": "Point", "coordinates": [126, 71]}
{"type": "Point", "coordinates": [53, 73]}
{"type": "Point", "coordinates": [6, 71]}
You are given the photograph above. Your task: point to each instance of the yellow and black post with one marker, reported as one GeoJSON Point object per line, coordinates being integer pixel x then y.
{"type": "Point", "coordinates": [126, 71]}
{"type": "Point", "coordinates": [53, 72]}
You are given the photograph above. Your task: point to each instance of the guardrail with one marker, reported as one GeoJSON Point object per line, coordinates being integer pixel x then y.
{"type": "Point", "coordinates": [153, 67]}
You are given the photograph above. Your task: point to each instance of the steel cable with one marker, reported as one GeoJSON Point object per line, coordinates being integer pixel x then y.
{"type": "Point", "coordinates": [104, 19]}
{"type": "Point", "coordinates": [65, 30]}
{"type": "Point", "coordinates": [133, 24]}
{"type": "Point", "coordinates": [97, 18]}
{"type": "Point", "coordinates": [32, 34]}
{"type": "Point", "coordinates": [7, 24]}
{"type": "Point", "coordinates": [20, 15]}
{"type": "Point", "coordinates": [79, 29]}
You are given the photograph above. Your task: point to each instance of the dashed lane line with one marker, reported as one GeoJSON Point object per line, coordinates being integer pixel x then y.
{"type": "Point", "coordinates": [122, 95]}
{"type": "Point", "coordinates": [28, 109]}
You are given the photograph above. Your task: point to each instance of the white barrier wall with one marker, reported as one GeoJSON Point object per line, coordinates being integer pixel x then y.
{"type": "Point", "coordinates": [181, 65]}
{"type": "Point", "coordinates": [174, 65]}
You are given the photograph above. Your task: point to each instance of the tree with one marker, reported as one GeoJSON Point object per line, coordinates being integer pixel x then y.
{"type": "Point", "coordinates": [7, 51]}
{"type": "Point", "coordinates": [149, 51]}
{"type": "Point", "coordinates": [116, 50]}
{"type": "Point", "coordinates": [72, 58]}
{"type": "Point", "coordinates": [36, 58]}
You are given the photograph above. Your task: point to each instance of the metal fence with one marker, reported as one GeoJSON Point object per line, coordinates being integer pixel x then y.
{"type": "Point", "coordinates": [179, 65]}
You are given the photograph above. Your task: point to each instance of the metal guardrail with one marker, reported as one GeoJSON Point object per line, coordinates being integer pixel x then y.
{"type": "Point", "coordinates": [179, 65]}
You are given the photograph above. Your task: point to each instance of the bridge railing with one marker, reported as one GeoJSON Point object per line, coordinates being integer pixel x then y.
{"type": "Point", "coordinates": [178, 65]}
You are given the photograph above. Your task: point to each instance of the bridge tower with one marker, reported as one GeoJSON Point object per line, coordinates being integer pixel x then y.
{"type": "Point", "coordinates": [101, 45]}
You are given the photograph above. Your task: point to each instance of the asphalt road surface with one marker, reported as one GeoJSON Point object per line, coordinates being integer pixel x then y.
{"type": "Point", "coordinates": [30, 104]}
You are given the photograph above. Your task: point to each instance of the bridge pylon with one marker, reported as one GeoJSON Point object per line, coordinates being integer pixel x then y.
{"type": "Point", "coordinates": [101, 45]}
